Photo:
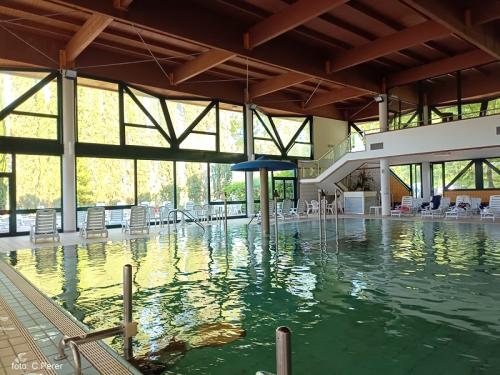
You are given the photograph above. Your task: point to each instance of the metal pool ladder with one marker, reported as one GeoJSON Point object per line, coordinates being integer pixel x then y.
{"type": "Point", "coordinates": [127, 328]}
{"type": "Point", "coordinates": [186, 215]}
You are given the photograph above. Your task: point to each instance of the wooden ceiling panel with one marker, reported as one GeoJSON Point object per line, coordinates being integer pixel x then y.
{"type": "Point", "coordinates": [178, 38]}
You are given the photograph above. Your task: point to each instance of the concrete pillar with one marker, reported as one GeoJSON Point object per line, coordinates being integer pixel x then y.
{"type": "Point", "coordinates": [264, 201]}
{"type": "Point", "coordinates": [68, 160]}
{"type": "Point", "coordinates": [426, 181]}
{"type": "Point", "coordinates": [382, 114]}
{"type": "Point", "coordinates": [425, 115]}
{"type": "Point", "coordinates": [250, 156]}
{"type": "Point", "coordinates": [385, 187]}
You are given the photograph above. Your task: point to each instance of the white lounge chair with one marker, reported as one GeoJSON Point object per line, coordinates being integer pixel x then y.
{"type": "Point", "coordinates": [138, 222]}
{"type": "Point", "coordinates": [493, 209]}
{"type": "Point", "coordinates": [95, 223]}
{"type": "Point", "coordinates": [300, 209]}
{"type": "Point", "coordinates": [116, 217]}
{"type": "Point", "coordinates": [457, 211]}
{"type": "Point", "coordinates": [431, 211]}
{"type": "Point", "coordinates": [405, 208]}
{"type": "Point", "coordinates": [286, 209]}
{"type": "Point", "coordinates": [45, 225]}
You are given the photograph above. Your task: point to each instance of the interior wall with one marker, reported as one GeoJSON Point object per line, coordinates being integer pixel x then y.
{"type": "Point", "coordinates": [327, 133]}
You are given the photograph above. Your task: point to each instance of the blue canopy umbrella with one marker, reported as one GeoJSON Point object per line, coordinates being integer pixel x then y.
{"type": "Point", "coordinates": [263, 165]}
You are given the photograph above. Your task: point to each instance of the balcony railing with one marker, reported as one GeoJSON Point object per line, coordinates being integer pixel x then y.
{"type": "Point", "coordinates": [357, 142]}
{"type": "Point", "coordinates": [313, 168]}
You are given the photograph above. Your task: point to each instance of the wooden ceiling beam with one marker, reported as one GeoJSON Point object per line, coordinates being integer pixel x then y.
{"type": "Point", "coordinates": [405, 38]}
{"type": "Point", "coordinates": [176, 19]}
{"type": "Point", "coordinates": [440, 67]}
{"type": "Point", "coordinates": [201, 63]}
{"type": "Point", "coordinates": [122, 4]}
{"type": "Point", "coordinates": [473, 86]}
{"type": "Point", "coordinates": [294, 15]}
{"type": "Point", "coordinates": [276, 83]}
{"type": "Point", "coordinates": [484, 12]}
{"type": "Point", "coordinates": [448, 14]}
{"type": "Point", "coordinates": [333, 96]}
{"type": "Point", "coordinates": [83, 37]}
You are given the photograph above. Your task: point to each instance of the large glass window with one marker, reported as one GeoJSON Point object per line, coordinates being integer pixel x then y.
{"type": "Point", "coordinates": [140, 130]}
{"type": "Point", "coordinates": [277, 135]}
{"type": "Point", "coordinates": [98, 112]}
{"type": "Point", "coordinates": [183, 113]}
{"type": "Point", "coordinates": [465, 172]}
{"type": "Point", "coordinates": [103, 181]}
{"type": "Point", "coordinates": [38, 181]}
{"type": "Point", "coordinates": [155, 182]}
{"type": "Point", "coordinates": [437, 178]}
{"type": "Point", "coordinates": [223, 180]}
{"type": "Point", "coordinates": [231, 130]}
{"type": "Point", "coordinates": [491, 174]}
{"type": "Point", "coordinates": [191, 183]}
{"type": "Point", "coordinates": [493, 107]}
{"type": "Point", "coordinates": [35, 117]}
{"type": "Point", "coordinates": [403, 172]}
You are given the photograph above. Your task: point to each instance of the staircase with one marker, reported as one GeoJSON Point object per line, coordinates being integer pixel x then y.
{"type": "Point", "coordinates": [464, 139]}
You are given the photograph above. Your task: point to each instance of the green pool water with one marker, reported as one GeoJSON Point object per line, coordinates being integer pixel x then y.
{"type": "Point", "coordinates": [392, 297]}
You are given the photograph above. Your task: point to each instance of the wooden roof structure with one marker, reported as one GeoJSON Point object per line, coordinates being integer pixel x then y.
{"type": "Point", "coordinates": [316, 57]}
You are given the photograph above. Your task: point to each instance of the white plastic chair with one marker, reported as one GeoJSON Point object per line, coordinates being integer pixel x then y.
{"type": "Point", "coordinates": [312, 207]}
{"type": "Point", "coordinates": [138, 222]}
{"type": "Point", "coordinates": [45, 225]}
{"type": "Point", "coordinates": [95, 223]}
{"type": "Point", "coordinates": [493, 209]}
{"type": "Point", "coordinates": [456, 211]}
{"type": "Point", "coordinates": [405, 208]}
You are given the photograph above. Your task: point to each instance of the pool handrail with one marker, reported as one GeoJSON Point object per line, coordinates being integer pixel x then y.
{"type": "Point", "coordinates": [185, 214]}
{"type": "Point", "coordinates": [127, 328]}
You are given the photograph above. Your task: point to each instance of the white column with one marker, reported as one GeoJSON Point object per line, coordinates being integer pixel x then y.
{"type": "Point", "coordinates": [68, 160]}
{"type": "Point", "coordinates": [385, 187]}
{"type": "Point", "coordinates": [426, 181]}
{"type": "Point", "coordinates": [250, 156]}
{"type": "Point", "coordinates": [382, 114]}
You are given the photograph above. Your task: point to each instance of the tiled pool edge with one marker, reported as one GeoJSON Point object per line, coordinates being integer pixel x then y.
{"type": "Point", "coordinates": [55, 322]}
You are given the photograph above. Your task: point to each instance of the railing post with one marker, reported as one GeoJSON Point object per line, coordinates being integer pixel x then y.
{"type": "Point", "coordinates": [336, 215]}
{"type": "Point", "coordinates": [127, 309]}
{"type": "Point", "coordinates": [319, 216]}
{"type": "Point", "coordinates": [283, 351]}
{"type": "Point", "coordinates": [225, 213]}
{"type": "Point", "coordinates": [275, 203]}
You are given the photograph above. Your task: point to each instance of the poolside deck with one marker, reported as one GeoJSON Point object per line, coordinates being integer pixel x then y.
{"type": "Point", "coordinates": [8, 244]}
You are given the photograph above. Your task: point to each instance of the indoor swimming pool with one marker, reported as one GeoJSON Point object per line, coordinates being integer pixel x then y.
{"type": "Point", "coordinates": [390, 297]}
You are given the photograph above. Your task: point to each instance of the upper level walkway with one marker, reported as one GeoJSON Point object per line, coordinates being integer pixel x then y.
{"type": "Point", "coordinates": [457, 140]}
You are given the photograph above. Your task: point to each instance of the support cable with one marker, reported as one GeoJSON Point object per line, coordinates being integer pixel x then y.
{"type": "Point", "coordinates": [29, 44]}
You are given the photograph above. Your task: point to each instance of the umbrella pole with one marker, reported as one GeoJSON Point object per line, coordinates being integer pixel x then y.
{"type": "Point", "coordinates": [264, 201]}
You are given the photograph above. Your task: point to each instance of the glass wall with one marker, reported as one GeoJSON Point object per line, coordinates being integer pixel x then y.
{"type": "Point", "coordinates": [192, 183]}
{"type": "Point", "coordinates": [29, 102]}
{"type": "Point", "coordinates": [118, 114]}
{"type": "Point", "coordinates": [231, 123]}
{"type": "Point", "coordinates": [480, 174]}
{"type": "Point", "coordinates": [37, 116]}
{"type": "Point", "coordinates": [232, 184]}
{"type": "Point", "coordinates": [104, 182]}
{"type": "Point", "coordinates": [98, 114]}
{"type": "Point", "coordinates": [491, 173]}
{"type": "Point", "coordinates": [284, 136]}
{"type": "Point", "coordinates": [155, 182]}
